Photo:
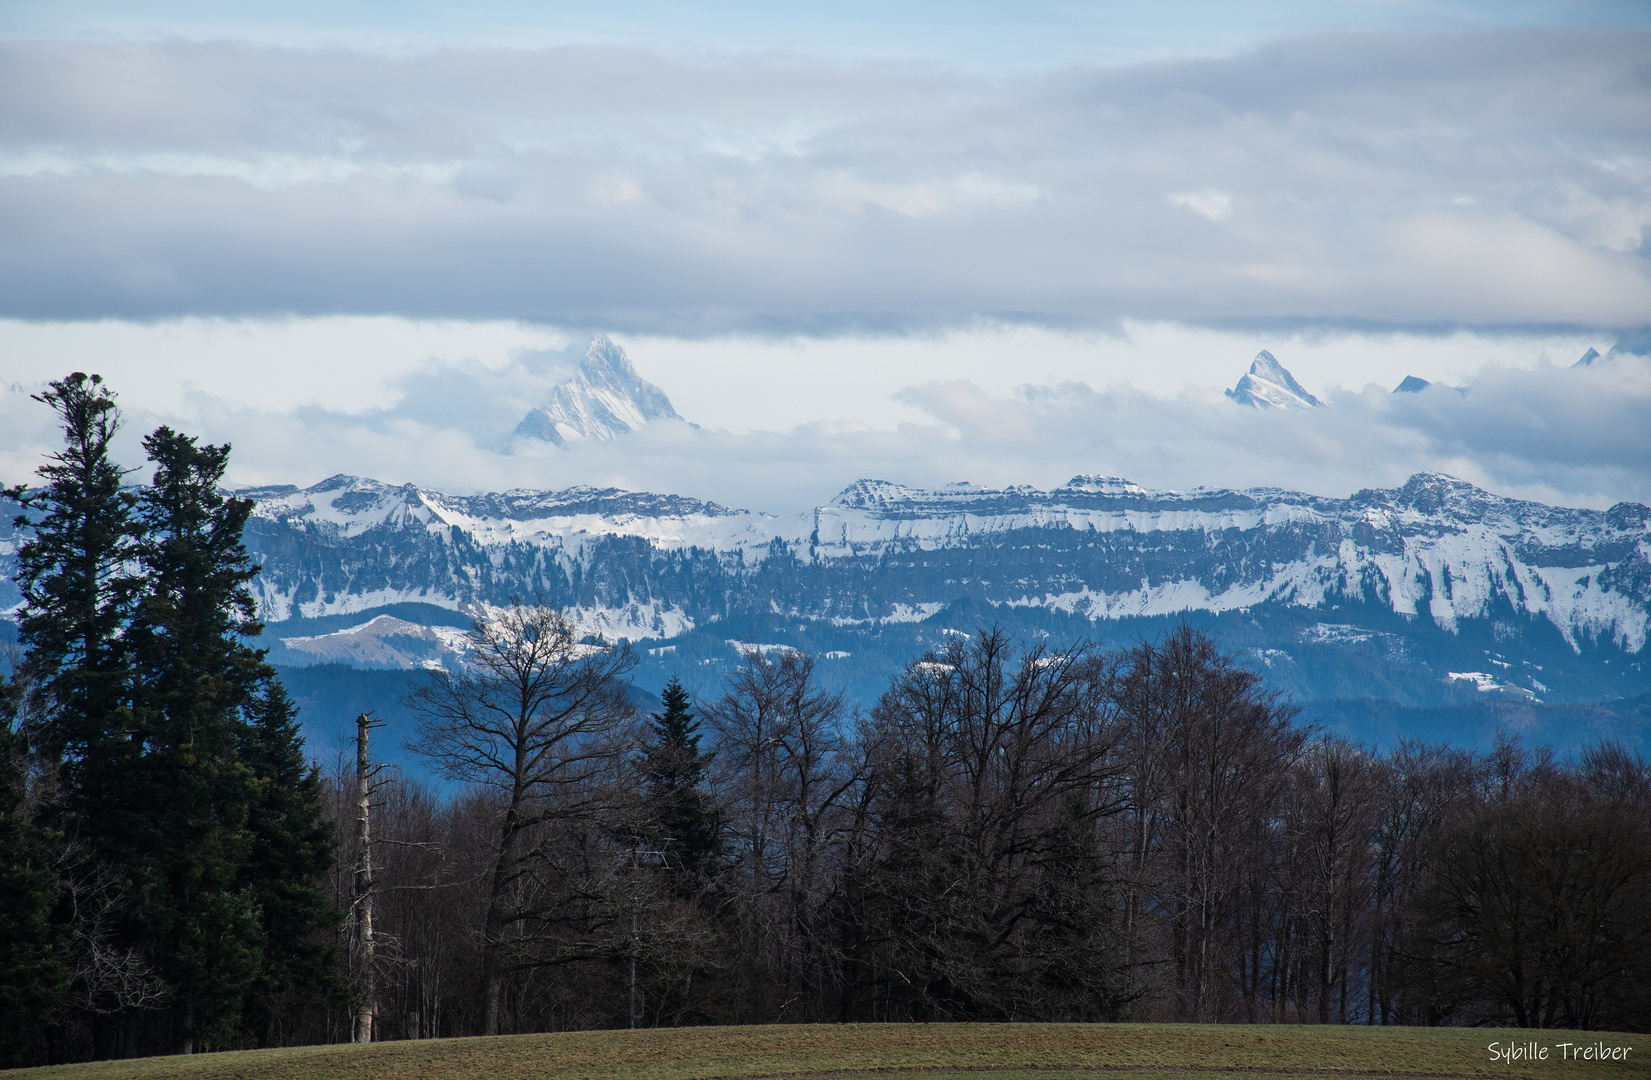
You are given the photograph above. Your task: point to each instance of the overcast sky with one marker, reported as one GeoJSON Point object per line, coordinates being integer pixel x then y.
{"type": "Point", "coordinates": [925, 242]}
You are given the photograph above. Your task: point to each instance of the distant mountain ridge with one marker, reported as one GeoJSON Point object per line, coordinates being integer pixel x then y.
{"type": "Point", "coordinates": [1436, 557]}
{"type": "Point", "coordinates": [1437, 547]}
{"type": "Point", "coordinates": [605, 399]}
{"type": "Point", "coordinates": [1269, 385]}
{"type": "Point", "coordinates": [1434, 594]}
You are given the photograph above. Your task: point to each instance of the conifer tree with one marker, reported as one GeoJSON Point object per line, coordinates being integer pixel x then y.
{"type": "Point", "coordinates": [674, 773]}
{"type": "Point", "coordinates": [34, 975]}
{"type": "Point", "coordinates": [195, 675]}
{"type": "Point", "coordinates": [180, 773]}
{"type": "Point", "coordinates": [75, 573]}
{"type": "Point", "coordinates": [292, 845]}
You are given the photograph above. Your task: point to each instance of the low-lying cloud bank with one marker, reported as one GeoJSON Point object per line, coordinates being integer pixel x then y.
{"type": "Point", "coordinates": [1392, 179]}
{"type": "Point", "coordinates": [1573, 436]}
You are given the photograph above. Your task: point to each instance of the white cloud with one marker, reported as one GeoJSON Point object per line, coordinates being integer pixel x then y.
{"type": "Point", "coordinates": [1555, 434]}
{"type": "Point", "coordinates": [349, 364]}
{"type": "Point", "coordinates": [929, 199]}
{"type": "Point", "coordinates": [1485, 269]}
{"type": "Point", "coordinates": [614, 189]}
{"type": "Point", "coordinates": [1478, 178]}
{"type": "Point", "coordinates": [1215, 205]}
{"type": "Point", "coordinates": [481, 377]}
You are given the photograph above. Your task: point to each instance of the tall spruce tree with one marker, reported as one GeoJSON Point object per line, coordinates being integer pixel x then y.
{"type": "Point", "coordinates": [674, 773]}
{"type": "Point", "coordinates": [76, 574]}
{"type": "Point", "coordinates": [292, 845]}
{"type": "Point", "coordinates": [196, 676]}
{"type": "Point", "coordinates": [76, 570]}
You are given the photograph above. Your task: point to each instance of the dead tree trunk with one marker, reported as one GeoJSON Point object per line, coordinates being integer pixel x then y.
{"type": "Point", "coordinates": [366, 1009]}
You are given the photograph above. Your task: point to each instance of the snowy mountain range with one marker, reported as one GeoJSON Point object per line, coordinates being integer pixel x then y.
{"type": "Point", "coordinates": [1437, 550]}
{"type": "Point", "coordinates": [605, 399]}
{"type": "Point", "coordinates": [1432, 593]}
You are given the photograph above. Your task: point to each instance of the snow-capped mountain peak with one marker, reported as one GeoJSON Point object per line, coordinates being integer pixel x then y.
{"type": "Point", "coordinates": [1269, 386]}
{"type": "Point", "coordinates": [605, 399]}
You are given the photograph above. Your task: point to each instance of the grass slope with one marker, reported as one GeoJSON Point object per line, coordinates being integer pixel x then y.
{"type": "Point", "coordinates": [976, 1051]}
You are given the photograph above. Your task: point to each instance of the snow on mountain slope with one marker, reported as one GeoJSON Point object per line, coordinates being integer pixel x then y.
{"type": "Point", "coordinates": [1437, 547]}
{"type": "Point", "coordinates": [1436, 552]}
{"type": "Point", "coordinates": [383, 642]}
{"type": "Point", "coordinates": [349, 544]}
{"type": "Point", "coordinates": [1269, 386]}
{"type": "Point", "coordinates": [605, 399]}
{"type": "Point", "coordinates": [648, 566]}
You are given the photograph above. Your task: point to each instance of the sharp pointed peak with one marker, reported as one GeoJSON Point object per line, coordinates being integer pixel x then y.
{"type": "Point", "coordinates": [1269, 385]}
{"type": "Point", "coordinates": [605, 398]}
{"type": "Point", "coordinates": [1265, 363]}
{"type": "Point", "coordinates": [604, 354]}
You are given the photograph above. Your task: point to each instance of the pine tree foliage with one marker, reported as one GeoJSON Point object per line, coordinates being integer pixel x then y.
{"type": "Point", "coordinates": [194, 678]}
{"type": "Point", "coordinates": [678, 808]}
{"type": "Point", "coordinates": [291, 839]}
{"type": "Point", "coordinates": [196, 610]}
{"type": "Point", "coordinates": [76, 575]}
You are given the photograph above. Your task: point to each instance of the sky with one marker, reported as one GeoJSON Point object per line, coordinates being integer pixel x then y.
{"type": "Point", "coordinates": [923, 242]}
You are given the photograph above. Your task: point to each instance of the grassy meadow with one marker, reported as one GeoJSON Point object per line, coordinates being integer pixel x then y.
{"type": "Point", "coordinates": [977, 1051]}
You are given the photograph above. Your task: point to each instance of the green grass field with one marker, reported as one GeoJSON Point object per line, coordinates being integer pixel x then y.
{"type": "Point", "coordinates": [976, 1051]}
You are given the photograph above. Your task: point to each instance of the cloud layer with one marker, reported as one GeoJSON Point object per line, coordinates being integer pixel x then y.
{"type": "Point", "coordinates": [1487, 178]}
{"type": "Point", "coordinates": [1572, 436]}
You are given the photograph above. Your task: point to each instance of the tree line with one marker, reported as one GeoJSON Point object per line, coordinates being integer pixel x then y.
{"type": "Point", "coordinates": [1015, 830]}
{"type": "Point", "coordinates": [1012, 832]}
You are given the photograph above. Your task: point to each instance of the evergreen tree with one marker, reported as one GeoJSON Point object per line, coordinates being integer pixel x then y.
{"type": "Point", "coordinates": [195, 676]}
{"type": "Point", "coordinates": [34, 976]}
{"type": "Point", "coordinates": [181, 781]}
{"type": "Point", "coordinates": [292, 846]}
{"type": "Point", "coordinates": [674, 774]}
{"type": "Point", "coordinates": [75, 573]}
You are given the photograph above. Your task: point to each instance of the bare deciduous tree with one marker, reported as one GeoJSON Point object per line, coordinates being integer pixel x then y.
{"type": "Point", "coordinates": [783, 770]}
{"type": "Point", "coordinates": [536, 718]}
{"type": "Point", "coordinates": [993, 764]}
{"type": "Point", "coordinates": [1213, 748]}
